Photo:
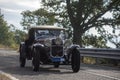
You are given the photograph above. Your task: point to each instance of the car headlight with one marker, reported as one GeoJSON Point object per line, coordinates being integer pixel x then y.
{"type": "Point", "coordinates": [58, 41]}
{"type": "Point", "coordinates": [48, 42]}
{"type": "Point", "coordinates": [67, 43]}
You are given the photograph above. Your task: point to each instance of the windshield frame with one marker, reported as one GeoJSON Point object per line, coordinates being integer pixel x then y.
{"type": "Point", "coordinates": [50, 33]}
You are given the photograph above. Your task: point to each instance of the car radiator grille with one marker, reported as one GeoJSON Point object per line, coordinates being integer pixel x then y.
{"type": "Point", "coordinates": [57, 51]}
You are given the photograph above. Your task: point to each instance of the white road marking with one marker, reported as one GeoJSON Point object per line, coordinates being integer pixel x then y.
{"type": "Point", "coordinates": [8, 76]}
{"type": "Point", "coordinates": [94, 73]}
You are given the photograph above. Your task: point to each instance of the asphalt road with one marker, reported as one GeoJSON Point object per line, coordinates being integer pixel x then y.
{"type": "Point", "coordinates": [9, 63]}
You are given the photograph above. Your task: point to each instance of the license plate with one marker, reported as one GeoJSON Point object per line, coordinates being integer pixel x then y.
{"type": "Point", "coordinates": [57, 59]}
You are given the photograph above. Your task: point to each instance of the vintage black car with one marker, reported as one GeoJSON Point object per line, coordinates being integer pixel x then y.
{"type": "Point", "coordinates": [49, 45]}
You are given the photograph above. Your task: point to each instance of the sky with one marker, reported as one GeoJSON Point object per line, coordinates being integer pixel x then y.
{"type": "Point", "coordinates": [12, 10]}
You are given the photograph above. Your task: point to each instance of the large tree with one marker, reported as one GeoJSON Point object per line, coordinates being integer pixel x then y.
{"type": "Point", "coordinates": [81, 15]}
{"type": "Point", "coordinates": [37, 17]}
{"type": "Point", "coordinates": [6, 36]}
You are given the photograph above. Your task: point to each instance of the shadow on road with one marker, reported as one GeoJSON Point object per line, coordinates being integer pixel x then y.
{"type": "Point", "coordinates": [10, 64]}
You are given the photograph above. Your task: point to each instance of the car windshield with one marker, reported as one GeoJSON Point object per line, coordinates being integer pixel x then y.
{"type": "Point", "coordinates": [39, 34]}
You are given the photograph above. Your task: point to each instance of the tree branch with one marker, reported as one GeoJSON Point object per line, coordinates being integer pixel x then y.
{"type": "Point", "coordinates": [103, 12]}
{"type": "Point", "coordinates": [94, 18]}
{"type": "Point", "coordinates": [87, 13]}
{"type": "Point", "coordinates": [101, 23]}
{"type": "Point", "coordinates": [70, 12]}
{"type": "Point", "coordinates": [80, 7]}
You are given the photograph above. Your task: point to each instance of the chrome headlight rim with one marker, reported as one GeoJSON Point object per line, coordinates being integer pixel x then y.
{"type": "Point", "coordinates": [58, 41]}
{"type": "Point", "coordinates": [68, 43]}
{"type": "Point", "coordinates": [48, 43]}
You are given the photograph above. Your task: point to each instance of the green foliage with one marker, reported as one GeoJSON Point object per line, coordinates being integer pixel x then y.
{"type": "Point", "coordinates": [9, 38]}
{"type": "Point", "coordinates": [5, 34]}
{"type": "Point", "coordinates": [27, 20]}
{"type": "Point", "coordinates": [78, 16]}
{"type": "Point", "coordinates": [19, 36]}
{"type": "Point", "coordinates": [89, 60]}
{"type": "Point", "coordinates": [38, 17]}
{"type": "Point", "coordinates": [112, 35]}
{"type": "Point", "coordinates": [94, 41]}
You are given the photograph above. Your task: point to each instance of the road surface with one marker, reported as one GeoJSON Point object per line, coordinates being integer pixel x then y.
{"type": "Point", "coordinates": [9, 63]}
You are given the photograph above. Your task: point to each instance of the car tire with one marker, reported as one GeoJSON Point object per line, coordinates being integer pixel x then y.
{"type": "Point", "coordinates": [56, 64]}
{"type": "Point", "coordinates": [22, 62]}
{"type": "Point", "coordinates": [75, 60]}
{"type": "Point", "coordinates": [36, 61]}
{"type": "Point", "coordinates": [22, 58]}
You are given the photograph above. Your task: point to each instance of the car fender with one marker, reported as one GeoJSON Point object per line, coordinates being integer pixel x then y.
{"type": "Point", "coordinates": [72, 48]}
{"type": "Point", "coordinates": [40, 51]}
{"type": "Point", "coordinates": [22, 50]}
{"type": "Point", "coordinates": [37, 46]}
{"type": "Point", "coordinates": [75, 46]}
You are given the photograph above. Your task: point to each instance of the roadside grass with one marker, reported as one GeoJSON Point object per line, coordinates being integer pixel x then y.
{"type": "Point", "coordinates": [3, 46]}
{"type": "Point", "coordinates": [12, 47]}
{"type": "Point", "coordinates": [101, 61]}
{"type": "Point", "coordinates": [89, 60]}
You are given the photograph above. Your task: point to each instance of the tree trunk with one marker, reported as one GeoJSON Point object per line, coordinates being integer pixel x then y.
{"type": "Point", "coordinates": [77, 36]}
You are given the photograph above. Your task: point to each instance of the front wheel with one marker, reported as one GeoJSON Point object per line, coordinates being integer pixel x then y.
{"type": "Point", "coordinates": [22, 58]}
{"type": "Point", "coordinates": [22, 62]}
{"type": "Point", "coordinates": [75, 60]}
{"type": "Point", "coordinates": [36, 61]}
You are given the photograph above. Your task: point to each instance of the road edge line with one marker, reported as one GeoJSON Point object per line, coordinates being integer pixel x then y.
{"type": "Point", "coordinates": [7, 76]}
{"type": "Point", "coordinates": [94, 73]}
